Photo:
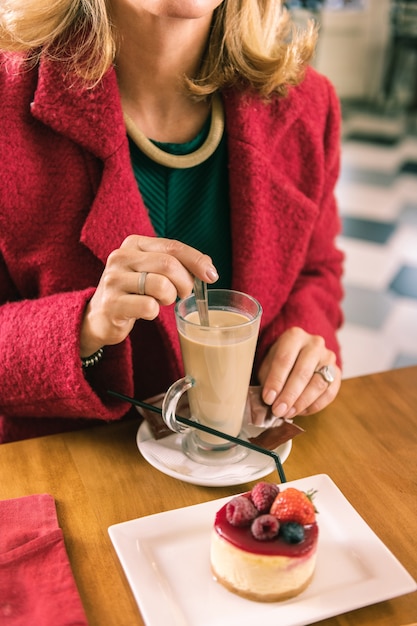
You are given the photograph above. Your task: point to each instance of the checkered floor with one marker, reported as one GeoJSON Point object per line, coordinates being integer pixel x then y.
{"type": "Point", "coordinates": [377, 195]}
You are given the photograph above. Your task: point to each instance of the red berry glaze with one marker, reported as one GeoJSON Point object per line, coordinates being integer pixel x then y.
{"type": "Point", "coordinates": [242, 537]}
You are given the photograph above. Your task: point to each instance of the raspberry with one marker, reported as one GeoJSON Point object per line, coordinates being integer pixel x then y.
{"type": "Point", "coordinates": [293, 505]}
{"type": "Point", "coordinates": [240, 511]}
{"type": "Point", "coordinates": [263, 495]}
{"type": "Point", "coordinates": [265, 527]}
{"type": "Point", "coordinates": [292, 532]}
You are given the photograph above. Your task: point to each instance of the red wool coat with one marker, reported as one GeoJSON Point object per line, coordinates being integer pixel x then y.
{"type": "Point", "coordinates": [68, 197]}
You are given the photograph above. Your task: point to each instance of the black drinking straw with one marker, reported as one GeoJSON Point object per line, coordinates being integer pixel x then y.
{"type": "Point", "coordinates": [207, 429]}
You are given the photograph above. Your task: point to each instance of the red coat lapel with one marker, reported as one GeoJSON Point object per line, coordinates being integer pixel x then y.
{"type": "Point", "coordinates": [93, 119]}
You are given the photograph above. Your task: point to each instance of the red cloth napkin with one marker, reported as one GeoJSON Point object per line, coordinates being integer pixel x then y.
{"type": "Point", "coordinates": [37, 587]}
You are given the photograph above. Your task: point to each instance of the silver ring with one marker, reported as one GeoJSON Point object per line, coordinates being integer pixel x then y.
{"type": "Point", "coordinates": [327, 372]}
{"type": "Point", "coordinates": [141, 283]}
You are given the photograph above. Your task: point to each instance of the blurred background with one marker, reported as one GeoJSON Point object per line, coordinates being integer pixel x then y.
{"type": "Point", "coordinates": [368, 49]}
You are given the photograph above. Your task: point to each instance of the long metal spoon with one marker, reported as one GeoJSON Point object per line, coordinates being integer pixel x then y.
{"type": "Point", "coordinates": [200, 292]}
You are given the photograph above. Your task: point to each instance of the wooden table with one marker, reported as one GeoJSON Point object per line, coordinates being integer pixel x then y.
{"type": "Point", "coordinates": [366, 441]}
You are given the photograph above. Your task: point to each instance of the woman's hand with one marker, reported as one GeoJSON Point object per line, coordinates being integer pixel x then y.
{"type": "Point", "coordinates": [170, 268]}
{"type": "Point", "coordinates": [288, 374]}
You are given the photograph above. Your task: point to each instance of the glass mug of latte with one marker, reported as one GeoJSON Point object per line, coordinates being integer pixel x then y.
{"type": "Point", "coordinates": [218, 361]}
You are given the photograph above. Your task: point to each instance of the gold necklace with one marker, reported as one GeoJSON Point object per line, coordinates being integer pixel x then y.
{"type": "Point", "coordinates": [181, 161]}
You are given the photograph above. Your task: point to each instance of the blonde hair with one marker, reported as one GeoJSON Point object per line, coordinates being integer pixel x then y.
{"type": "Point", "coordinates": [252, 42]}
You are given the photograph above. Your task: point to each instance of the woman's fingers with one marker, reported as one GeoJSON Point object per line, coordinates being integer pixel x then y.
{"type": "Point", "coordinates": [173, 259]}
{"type": "Point", "coordinates": [142, 275]}
{"type": "Point", "coordinates": [316, 403]}
{"type": "Point", "coordinates": [317, 394]}
{"type": "Point", "coordinates": [290, 382]}
{"type": "Point", "coordinates": [144, 283]}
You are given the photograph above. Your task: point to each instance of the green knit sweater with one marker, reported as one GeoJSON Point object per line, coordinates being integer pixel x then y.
{"type": "Point", "coordinates": [192, 204]}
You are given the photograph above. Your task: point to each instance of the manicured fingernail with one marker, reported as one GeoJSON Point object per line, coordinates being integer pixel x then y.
{"type": "Point", "coordinates": [269, 396]}
{"type": "Point", "coordinates": [281, 409]}
{"type": "Point", "coordinates": [212, 273]}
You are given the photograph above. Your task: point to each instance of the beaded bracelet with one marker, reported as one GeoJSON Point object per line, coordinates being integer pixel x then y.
{"type": "Point", "coordinates": [91, 360]}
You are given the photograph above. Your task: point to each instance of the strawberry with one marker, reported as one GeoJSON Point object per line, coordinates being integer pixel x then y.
{"type": "Point", "coordinates": [293, 505]}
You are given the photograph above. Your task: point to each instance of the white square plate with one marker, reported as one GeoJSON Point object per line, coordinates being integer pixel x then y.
{"type": "Point", "coordinates": [166, 559]}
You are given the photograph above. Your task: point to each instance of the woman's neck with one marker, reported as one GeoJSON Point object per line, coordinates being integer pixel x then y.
{"type": "Point", "coordinates": [153, 57]}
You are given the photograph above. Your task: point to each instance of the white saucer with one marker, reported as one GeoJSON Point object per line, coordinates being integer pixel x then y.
{"type": "Point", "coordinates": [166, 455]}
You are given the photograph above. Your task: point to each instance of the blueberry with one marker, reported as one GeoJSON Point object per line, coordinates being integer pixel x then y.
{"type": "Point", "coordinates": [292, 532]}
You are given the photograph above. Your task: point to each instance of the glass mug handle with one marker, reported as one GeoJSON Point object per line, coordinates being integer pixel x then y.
{"type": "Point", "coordinates": [170, 403]}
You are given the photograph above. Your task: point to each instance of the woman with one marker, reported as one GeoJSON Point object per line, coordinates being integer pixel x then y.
{"type": "Point", "coordinates": [244, 199]}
